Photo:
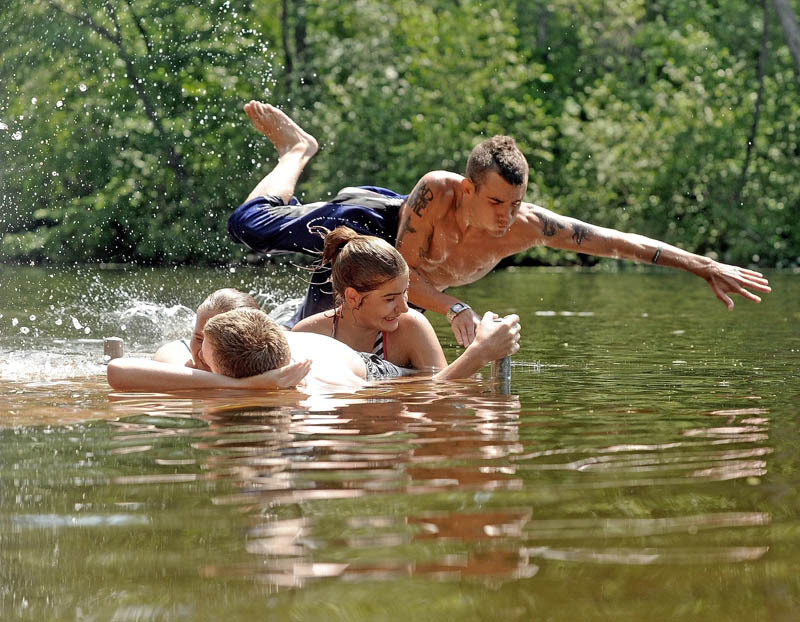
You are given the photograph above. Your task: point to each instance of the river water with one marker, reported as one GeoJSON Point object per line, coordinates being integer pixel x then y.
{"type": "Point", "coordinates": [644, 465]}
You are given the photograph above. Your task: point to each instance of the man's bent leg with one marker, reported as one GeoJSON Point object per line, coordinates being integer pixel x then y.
{"type": "Point", "coordinates": [266, 225]}
{"type": "Point", "coordinates": [294, 145]}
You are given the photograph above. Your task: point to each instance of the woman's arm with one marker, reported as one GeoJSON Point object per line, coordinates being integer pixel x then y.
{"type": "Point", "coordinates": [494, 340]}
{"type": "Point", "coordinates": [424, 350]}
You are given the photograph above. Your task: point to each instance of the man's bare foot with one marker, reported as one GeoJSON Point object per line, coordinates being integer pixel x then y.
{"type": "Point", "coordinates": [284, 133]}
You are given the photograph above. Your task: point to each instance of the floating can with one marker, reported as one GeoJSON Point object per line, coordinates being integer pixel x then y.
{"type": "Point", "coordinates": [112, 348]}
{"type": "Point", "coordinates": [501, 371]}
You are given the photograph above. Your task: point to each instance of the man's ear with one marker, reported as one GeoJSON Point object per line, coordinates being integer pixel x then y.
{"type": "Point", "coordinates": [352, 298]}
{"type": "Point", "coordinates": [467, 187]}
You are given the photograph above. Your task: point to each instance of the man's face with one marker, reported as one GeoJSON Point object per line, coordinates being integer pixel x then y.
{"type": "Point", "coordinates": [496, 204]}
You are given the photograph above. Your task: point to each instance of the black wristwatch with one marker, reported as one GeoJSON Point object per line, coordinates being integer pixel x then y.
{"type": "Point", "coordinates": [457, 308]}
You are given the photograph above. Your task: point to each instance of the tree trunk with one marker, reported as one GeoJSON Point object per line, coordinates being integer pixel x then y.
{"type": "Point", "coordinates": [751, 139]}
{"type": "Point", "coordinates": [788, 22]}
{"type": "Point", "coordinates": [287, 52]}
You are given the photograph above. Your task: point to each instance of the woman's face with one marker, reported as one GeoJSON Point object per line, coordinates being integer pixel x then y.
{"type": "Point", "coordinates": [196, 343]}
{"type": "Point", "coordinates": [381, 308]}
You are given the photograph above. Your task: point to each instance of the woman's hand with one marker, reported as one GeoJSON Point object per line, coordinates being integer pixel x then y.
{"type": "Point", "coordinates": [497, 337]}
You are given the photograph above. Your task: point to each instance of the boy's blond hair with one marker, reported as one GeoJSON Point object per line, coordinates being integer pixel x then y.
{"type": "Point", "coordinates": [226, 299]}
{"type": "Point", "coordinates": [246, 342]}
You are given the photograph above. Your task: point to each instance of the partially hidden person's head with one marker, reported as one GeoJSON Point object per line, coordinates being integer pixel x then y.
{"type": "Point", "coordinates": [244, 342]}
{"type": "Point", "coordinates": [369, 277]}
{"type": "Point", "coordinates": [217, 302]}
{"type": "Point", "coordinates": [494, 184]}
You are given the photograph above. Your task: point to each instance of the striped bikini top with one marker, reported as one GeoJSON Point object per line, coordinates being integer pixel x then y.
{"type": "Point", "coordinates": [379, 347]}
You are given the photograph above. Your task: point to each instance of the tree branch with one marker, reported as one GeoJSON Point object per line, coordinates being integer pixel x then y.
{"type": "Point", "coordinates": [140, 28]}
{"type": "Point", "coordinates": [88, 22]}
{"type": "Point", "coordinates": [287, 53]}
{"type": "Point", "coordinates": [173, 158]}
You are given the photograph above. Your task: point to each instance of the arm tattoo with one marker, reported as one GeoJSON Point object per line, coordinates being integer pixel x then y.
{"type": "Point", "coordinates": [580, 233]}
{"type": "Point", "coordinates": [420, 198]}
{"type": "Point", "coordinates": [549, 226]}
{"type": "Point", "coordinates": [405, 227]}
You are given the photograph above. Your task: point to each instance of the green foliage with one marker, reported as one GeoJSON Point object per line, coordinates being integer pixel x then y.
{"type": "Point", "coordinates": [125, 138]}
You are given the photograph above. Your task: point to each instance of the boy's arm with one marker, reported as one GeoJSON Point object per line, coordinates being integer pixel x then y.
{"type": "Point", "coordinates": [134, 374]}
{"type": "Point", "coordinates": [429, 198]}
{"type": "Point", "coordinates": [541, 226]}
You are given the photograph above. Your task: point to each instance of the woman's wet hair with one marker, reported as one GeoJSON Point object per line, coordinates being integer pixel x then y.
{"type": "Point", "coordinates": [226, 299]}
{"type": "Point", "coordinates": [363, 262]}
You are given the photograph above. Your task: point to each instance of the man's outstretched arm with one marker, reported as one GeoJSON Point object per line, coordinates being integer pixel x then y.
{"type": "Point", "coordinates": [543, 227]}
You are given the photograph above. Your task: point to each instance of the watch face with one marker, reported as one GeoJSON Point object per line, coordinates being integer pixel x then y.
{"type": "Point", "coordinates": [456, 309]}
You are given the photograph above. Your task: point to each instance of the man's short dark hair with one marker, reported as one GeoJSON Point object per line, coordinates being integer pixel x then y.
{"type": "Point", "coordinates": [500, 154]}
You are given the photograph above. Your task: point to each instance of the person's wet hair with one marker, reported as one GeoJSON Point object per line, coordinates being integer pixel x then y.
{"type": "Point", "coordinates": [363, 262]}
{"type": "Point", "coordinates": [500, 154]}
{"type": "Point", "coordinates": [246, 342]}
{"type": "Point", "coordinates": [226, 299]}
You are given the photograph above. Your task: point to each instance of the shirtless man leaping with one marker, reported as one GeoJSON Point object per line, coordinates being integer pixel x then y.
{"type": "Point", "coordinates": [451, 229]}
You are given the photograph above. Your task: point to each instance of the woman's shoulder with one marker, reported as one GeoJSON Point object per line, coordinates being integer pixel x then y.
{"type": "Point", "coordinates": [413, 322]}
{"type": "Point", "coordinates": [320, 323]}
{"type": "Point", "coordinates": [175, 352]}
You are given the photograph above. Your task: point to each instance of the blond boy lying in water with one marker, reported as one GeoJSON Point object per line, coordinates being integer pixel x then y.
{"type": "Point", "coordinates": [245, 349]}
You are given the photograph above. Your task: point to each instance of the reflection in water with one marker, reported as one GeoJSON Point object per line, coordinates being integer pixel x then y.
{"type": "Point", "coordinates": [421, 479]}
{"type": "Point", "coordinates": [385, 449]}
{"type": "Point", "coordinates": [647, 465]}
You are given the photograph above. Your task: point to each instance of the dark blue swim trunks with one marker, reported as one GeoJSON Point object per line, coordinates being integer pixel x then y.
{"type": "Point", "coordinates": [267, 225]}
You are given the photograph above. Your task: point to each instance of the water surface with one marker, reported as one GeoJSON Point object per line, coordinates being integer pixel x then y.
{"type": "Point", "coordinates": [645, 463]}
